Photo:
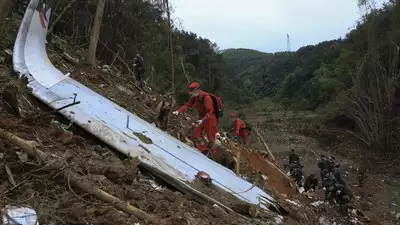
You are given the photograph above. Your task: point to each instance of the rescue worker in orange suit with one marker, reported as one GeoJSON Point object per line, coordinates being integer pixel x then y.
{"type": "Point", "coordinates": [207, 120]}
{"type": "Point", "coordinates": [239, 129]}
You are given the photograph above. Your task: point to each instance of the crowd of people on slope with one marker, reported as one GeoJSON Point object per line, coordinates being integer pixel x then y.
{"type": "Point", "coordinates": [331, 177]}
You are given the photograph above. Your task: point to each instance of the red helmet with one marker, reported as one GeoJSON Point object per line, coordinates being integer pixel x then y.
{"type": "Point", "coordinates": [193, 87]}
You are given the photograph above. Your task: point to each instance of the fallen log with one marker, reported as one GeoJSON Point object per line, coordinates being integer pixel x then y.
{"type": "Point", "coordinates": [77, 180]}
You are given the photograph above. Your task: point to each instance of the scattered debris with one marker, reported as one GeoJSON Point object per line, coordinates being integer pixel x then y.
{"type": "Point", "coordinates": [19, 216]}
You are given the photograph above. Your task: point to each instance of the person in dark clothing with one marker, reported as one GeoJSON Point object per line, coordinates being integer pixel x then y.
{"type": "Point", "coordinates": [331, 163]}
{"type": "Point", "coordinates": [338, 174]}
{"type": "Point", "coordinates": [342, 196]}
{"type": "Point", "coordinates": [328, 183]}
{"type": "Point", "coordinates": [293, 157]}
{"type": "Point", "coordinates": [323, 166]}
{"type": "Point", "coordinates": [296, 171]}
{"type": "Point", "coordinates": [311, 182]}
{"type": "Point", "coordinates": [360, 177]}
{"type": "Point", "coordinates": [138, 69]}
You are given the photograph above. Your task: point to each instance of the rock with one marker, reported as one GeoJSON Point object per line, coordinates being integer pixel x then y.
{"type": "Point", "coordinates": [77, 211]}
{"type": "Point", "coordinates": [22, 156]}
{"type": "Point", "coordinates": [170, 196]}
{"type": "Point", "coordinates": [218, 211]}
{"type": "Point", "coordinates": [66, 137]}
{"type": "Point", "coordinates": [323, 221]}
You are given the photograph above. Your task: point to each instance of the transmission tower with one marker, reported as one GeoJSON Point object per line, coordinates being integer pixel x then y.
{"type": "Point", "coordinates": [288, 43]}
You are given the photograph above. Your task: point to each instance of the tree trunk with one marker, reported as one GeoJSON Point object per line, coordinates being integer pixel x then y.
{"type": "Point", "coordinates": [4, 8]}
{"type": "Point", "coordinates": [171, 47]}
{"type": "Point", "coordinates": [94, 36]}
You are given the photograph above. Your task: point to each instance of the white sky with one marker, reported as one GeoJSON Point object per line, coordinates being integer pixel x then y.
{"type": "Point", "coordinates": [263, 24]}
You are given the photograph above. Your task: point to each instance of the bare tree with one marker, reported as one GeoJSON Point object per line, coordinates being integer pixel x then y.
{"type": "Point", "coordinates": [4, 8]}
{"type": "Point", "coordinates": [53, 24]}
{"type": "Point", "coordinates": [170, 47]}
{"type": "Point", "coordinates": [94, 36]}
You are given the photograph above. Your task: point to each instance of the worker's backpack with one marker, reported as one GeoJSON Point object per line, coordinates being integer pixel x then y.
{"type": "Point", "coordinates": [217, 104]}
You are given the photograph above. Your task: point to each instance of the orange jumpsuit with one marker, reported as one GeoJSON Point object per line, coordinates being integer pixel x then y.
{"type": "Point", "coordinates": [204, 106]}
{"type": "Point", "coordinates": [240, 130]}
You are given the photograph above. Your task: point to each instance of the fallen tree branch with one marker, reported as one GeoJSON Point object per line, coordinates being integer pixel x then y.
{"type": "Point", "coordinates": [271, 156]}
{"type": "Point", "coordinates": [53, 24]}
{"type": "Point", "coordinates": [184, 71]}
{"type": "Point", "coordinates": [77, 180]}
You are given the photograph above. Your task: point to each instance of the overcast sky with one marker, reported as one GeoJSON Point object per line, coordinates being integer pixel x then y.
{"type": "Point", "coordinates": [263, 24]}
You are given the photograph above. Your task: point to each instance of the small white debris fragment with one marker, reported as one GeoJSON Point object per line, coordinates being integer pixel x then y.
{"type": "Point", "coordinates": [398, 216]}
{"type": "Point", "coordinates": [323, 221]}
{"type": "Point", "coordinates": [317, 203]}
{"type": "Point", "coordinates": [293, 202]}
{"type": "Point", "coordinates": [279, 219]}
{"type": "Point", "coordinates": [67, 75]}
{"type": "Point", "coordinates": [8, 51]}
{"type": "Point", "coordinates": [21, 215]}
{"type": "Point", "coordinates": [264, 177]}
{"type": "Point", "coordinates": [22, 156]}
{"type": "Point", "coordinates": [301, 190]}
{"type": "Point", "coordinates": [153, 184]}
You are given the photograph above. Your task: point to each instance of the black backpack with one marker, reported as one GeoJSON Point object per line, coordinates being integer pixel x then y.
{"type": "Point", "coordinates": [217, 104]}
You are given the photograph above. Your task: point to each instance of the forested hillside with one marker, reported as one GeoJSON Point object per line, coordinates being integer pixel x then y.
{"type": "Point", "coordinates": [315, 74]}
{"type": "Point", "coordinates": [353, 80]}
